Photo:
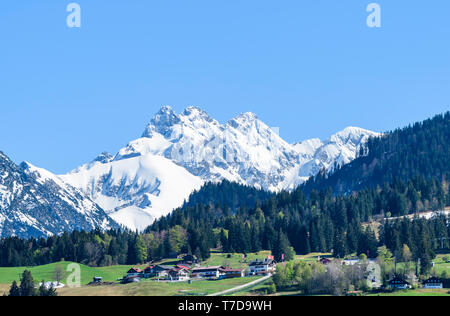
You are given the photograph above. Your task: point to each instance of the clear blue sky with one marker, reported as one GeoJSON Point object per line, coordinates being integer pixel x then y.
{"type": "Point", "coordinates": [308, 67]}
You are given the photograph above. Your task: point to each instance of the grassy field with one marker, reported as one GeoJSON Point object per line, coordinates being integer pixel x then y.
{"type": "Point", "coordinates": [254, 290]}
{"type": "Point", "coordinates": [440, 265]}
{"type": "Point", "coordinates": [417, 292]}
{"type": "Point", "coordinates": [235, 260]}
{"type": "Point", "coordinates": [313, 256]}
{"type": "Point", "coordinates": [152, 288]}
{"type": "Point", "coordinates": [147, 287]}
{"type": "Point", "coordinates": [45, 272]}
{"type": "Point", "coordinates": [112, 273]}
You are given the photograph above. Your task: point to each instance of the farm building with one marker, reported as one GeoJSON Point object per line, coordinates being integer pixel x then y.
{"type": "Point", "coordinates": [229, 273]}
{"type": "Point", "coordinates": [161, 271]}
{"type": "Point", "coordinates": [148, 272]}
{"type": "Point", "coordinates": [134, 272]}
{"type": "Point", "coordinates": [178, 274]}
{"type": "Point", "coordinates": [183, 266]}
{"type": "Point", "coordinates": [399, 283]}
{"type": "Point", "coordinates": [206, 273]}
{"type": "Point", "coordinates": [433, 283]}
{"type": "Point", "coordinates": [97, 280]}
{"type": "Point", "coordinates": [264, 266]}
{"type": "Point", "coordinates": [350, 262]}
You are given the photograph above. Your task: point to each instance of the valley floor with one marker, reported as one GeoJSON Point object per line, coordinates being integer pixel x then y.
{"type": "Point", "coordinates": [152, 288]}
{"type": "Point", "coordinates": [197, 288]}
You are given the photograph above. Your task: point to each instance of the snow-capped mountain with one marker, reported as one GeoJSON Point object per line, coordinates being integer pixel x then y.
{"type": "Point", "coordinates": [137, 190]}
{"type": "Point", "coordinates": [243, 150]}
{"type": "Point", "coordinates": [177, 153]}
{"type": "Point", "coordinates": [34, 202]}
{"type": "Point", "coordinates": [316, 155]}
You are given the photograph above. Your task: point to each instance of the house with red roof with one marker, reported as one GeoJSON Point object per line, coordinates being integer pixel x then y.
{"type": "Point", "coordinates": [228, 273]}
{"type": "Point", "coordinates": [178, 274]}
{"type": "Point", "coordinates": [206, 272]}
{"type": "Point", "coordinates": [183, 266]}
{"type": "Point", "coordinates": [149, 272]}
{"type": "Point", "coordinates": [135, 272]}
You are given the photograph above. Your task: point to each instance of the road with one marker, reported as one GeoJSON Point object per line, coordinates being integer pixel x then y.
{"type": "Point", "coordinates": [241, 287]}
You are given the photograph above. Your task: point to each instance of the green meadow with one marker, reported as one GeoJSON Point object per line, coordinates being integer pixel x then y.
{"type": "Point", "coordinates": [45, 272]}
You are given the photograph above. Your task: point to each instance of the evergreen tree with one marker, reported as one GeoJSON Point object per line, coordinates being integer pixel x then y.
{"type": "Point", "coordinates": [282, 247]}
{"type": "Point", "coordinates": [14, 290]}
{"type": "Point", "coordinates": [27, 284]}
{"type": "Point", "coordinates": [340, 247]}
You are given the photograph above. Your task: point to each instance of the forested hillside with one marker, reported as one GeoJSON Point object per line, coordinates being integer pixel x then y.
{"type": "Point", "coordinates": [321, 222]}
{"type": "Point", "coordinates": [230, 195]}
{"type": "Point", "coordinates": [419, 149]}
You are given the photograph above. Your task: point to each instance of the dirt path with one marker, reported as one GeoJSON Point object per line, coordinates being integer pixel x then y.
{"type": "Point", "coordinates": [241, 287]}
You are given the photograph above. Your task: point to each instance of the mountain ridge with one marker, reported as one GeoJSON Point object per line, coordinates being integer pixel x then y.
{"type": "Point", "coordinates": [177, 154]}
{"type": "Point", "coordinates": [243, 150]}
{"type": "Point", "coordinates": [34, 202]}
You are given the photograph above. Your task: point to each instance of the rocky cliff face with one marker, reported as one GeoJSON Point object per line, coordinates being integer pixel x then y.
{"type": "Point", "coordinates": [33, 202]}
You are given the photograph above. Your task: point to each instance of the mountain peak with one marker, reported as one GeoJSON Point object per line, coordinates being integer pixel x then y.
{"type": "Point", "coordinates": [352, 133]}
{"type": "Point", "coordinates": [166, 109]}
{"type": "Point", "coordinates": [196, 113]}
{"type": "Point", "coordinates": [162, 121]}
{"type": "Point", "coordinates": [193, 110]}
{"type": "Point", "coordinates": [243, 120]}
{"type": "Point", "coordinates": [104, 157]}
{"type": "Point", "coordinates": [247, 116]}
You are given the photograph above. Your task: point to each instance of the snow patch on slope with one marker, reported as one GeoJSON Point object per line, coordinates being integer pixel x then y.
{"type": "Point", "coordinates": [35, 202]}
{"type": "Point", "coordinates": [137, 190]}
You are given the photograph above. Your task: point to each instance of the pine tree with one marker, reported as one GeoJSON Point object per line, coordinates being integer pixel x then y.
{"type": "Point", "coordinates": [224, 241]}
{"type": "Point", "coordinates": [282, 247]}
{"type": "Point", "coordinates": [340, 246]}
{"type": "Point", "coordinates": [198, 254]}
{"type": "Point", "coordinates": [27, 284]}
{"type": "Point", "coordinates": [14, 290]}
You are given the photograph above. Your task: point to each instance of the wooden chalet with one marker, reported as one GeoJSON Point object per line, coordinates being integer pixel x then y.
{"type": "Point", "coordinates": [433, 283]}
{"type": "Point", "coordinates": [399, 283]}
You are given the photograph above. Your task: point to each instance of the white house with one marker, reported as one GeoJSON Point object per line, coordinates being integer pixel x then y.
{"type": "Point", "coordinates": [161, 271]}
{"type": "Point", "coordinates": [264, 266]}
{"type": "Point", "coordinates": [178, 274]}
{"type": "Point", "coordinates": [229, 273]}
{"type": "Point", "coordinates": [206, 272]}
